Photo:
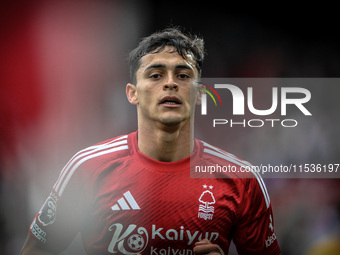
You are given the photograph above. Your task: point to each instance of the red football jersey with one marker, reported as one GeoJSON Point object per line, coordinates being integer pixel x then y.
{"type": "Point", "coordinates": [123, 202]}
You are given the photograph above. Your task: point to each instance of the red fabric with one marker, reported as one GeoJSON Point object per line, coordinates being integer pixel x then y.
{"type": "Point", "coordinates": [126, 203]}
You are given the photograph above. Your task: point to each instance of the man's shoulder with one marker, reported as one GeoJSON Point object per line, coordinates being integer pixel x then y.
{"type": "Point", "coordinates": [88, 163]}
{"type": "Point", "coordinates": [223, 164]}
{"type": "Point", "coordinates": [219, 155]}
{"type": "Point", "coordinates": [226, 165]}
{"type": "Point", "coordinates": [107, 150]}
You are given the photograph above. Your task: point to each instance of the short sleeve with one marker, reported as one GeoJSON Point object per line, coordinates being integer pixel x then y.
{"type": "Point", "coordinates": [63, 213]}
{"type": "Point", "coordinates": [254, 231]}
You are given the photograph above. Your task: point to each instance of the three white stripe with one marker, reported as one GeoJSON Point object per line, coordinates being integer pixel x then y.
{"type": "Point", "coordinates": [125, 205]}
{"type": "Point", "coordinates": [84, 155]}
{"type": "Point", "coordinates": [230, 157]}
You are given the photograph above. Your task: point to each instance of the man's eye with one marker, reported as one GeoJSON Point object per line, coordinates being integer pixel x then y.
{"type": "Point", "coordinates": [183, 76]}
{"type": "Point", "coordinates": [155, 76]}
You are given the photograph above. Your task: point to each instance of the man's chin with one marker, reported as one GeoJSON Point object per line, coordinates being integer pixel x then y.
{"type": "Point", "coordinates": [172, 121]}
{"type": "Point", "coordinates": [169, 122]}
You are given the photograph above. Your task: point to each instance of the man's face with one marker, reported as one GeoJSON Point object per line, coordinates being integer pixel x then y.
{"type": "Point", "coordinates": [165, 89]}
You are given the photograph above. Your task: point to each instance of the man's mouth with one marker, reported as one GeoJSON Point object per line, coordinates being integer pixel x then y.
{"type": "Point", "coordinates": [170, 101]}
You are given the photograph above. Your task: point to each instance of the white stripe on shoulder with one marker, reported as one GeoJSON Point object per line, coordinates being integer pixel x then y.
{"type": "Point", "coordinates": [226, 154]}
{"type": "Point", "coordinates": [83, 155]}
{"type": "Point", "coordinates": [232, 158]}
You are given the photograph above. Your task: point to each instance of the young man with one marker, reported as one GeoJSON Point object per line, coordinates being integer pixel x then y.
{"type": "Point", "coordinates": [134, 195]}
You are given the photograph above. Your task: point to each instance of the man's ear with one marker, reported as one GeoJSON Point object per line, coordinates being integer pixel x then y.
{"type": "Point", "coordinates": [200, 91]}
{"type": "Point", "coordinates": [131, 93]}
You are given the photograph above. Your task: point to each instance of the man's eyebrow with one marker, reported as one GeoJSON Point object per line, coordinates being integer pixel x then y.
{"type": "Point", "coordinates": [184, 67]}
{"type": "Point", "coordinates": [154, 66]}
{"type": "Point", "coordinates": [180, 66]}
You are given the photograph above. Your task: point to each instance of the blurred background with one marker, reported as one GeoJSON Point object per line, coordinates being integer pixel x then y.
{"type": "Point", "coordinates": [63, 73]}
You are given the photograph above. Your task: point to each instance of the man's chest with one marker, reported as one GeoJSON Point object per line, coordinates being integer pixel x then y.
{"type": "Point", "coordinates": [159, 213]}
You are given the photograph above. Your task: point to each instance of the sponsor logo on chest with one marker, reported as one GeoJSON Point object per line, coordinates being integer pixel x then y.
{"type": "Point", "coordinates": [132, 239]}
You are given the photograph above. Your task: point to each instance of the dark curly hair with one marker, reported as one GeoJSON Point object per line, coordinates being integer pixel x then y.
{"type": "Point", "coordinates": [155, 43]}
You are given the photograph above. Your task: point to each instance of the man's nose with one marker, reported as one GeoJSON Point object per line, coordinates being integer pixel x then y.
{"type": "Point", "coordinates": [170, 83]}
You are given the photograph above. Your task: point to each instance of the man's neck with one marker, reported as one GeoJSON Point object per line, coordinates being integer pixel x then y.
{"type": "Point", "coordinates": [166, 144]}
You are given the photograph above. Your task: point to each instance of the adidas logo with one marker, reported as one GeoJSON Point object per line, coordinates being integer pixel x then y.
{"type": "Point", "coordinates": [127, 202]}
